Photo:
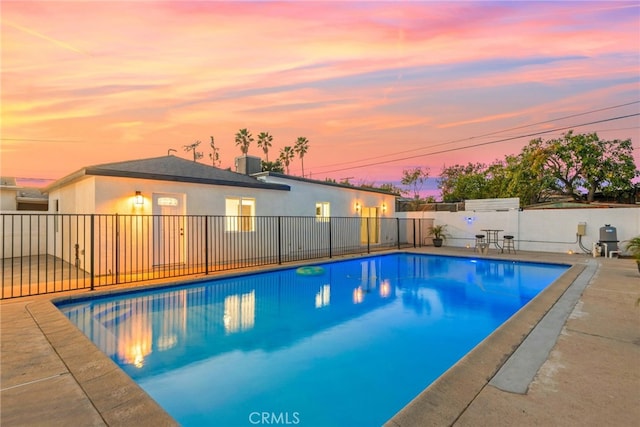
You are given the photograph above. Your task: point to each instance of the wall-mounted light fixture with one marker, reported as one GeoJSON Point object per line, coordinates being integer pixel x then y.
{"type": "Point", "coordinates": [384, 207]}
{"type": "Point", "coordinates": [357, 206]}
{"type": "Point", "coordinates": [138, 200]}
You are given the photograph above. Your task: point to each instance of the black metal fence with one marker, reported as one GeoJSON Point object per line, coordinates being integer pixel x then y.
{"type": "Point", "coordinates": [44, 253]}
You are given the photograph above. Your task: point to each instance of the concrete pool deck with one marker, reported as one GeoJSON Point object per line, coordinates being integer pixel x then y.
{"type": "Point", "coordinates": [50, 374]}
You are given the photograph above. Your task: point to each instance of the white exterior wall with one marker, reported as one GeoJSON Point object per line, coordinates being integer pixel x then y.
{"type": "Point", "coordinates": [492, 204]}
{"type": "Point", "coordinates": [549, 230]}
{"type": "Point", "coordinates": [24, 232]}
{"type": "Point", "coordinates": [76, 198]}
{"type": "Point", "coordinates": [116, 195]}
{"type": "Point", "coordinates": [305, 195]}
{"type": "Point", "coordinates": [110, 195]}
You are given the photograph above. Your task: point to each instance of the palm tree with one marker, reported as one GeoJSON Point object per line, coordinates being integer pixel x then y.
{"type": "Point", "coordinates": [286, 155]}
{"type": "Point", "coordinates": [264, 142]}
{"type": "Point", "coordinates": [301, 148]}
{"type": "Point", "coordinates": [244, 139]}
{"type": "Point", "coordinates": [272, 166]}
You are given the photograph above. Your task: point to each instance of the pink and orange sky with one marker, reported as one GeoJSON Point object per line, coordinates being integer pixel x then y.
{"type": "Point", "coordinates": [405, 83]}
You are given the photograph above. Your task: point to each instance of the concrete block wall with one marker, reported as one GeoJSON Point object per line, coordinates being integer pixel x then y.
{"type": "Point", "coordinates": [545, 230]}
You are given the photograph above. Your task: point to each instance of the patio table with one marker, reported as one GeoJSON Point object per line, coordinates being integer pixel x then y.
{"type": "Point", "coordinates": [492, 237]}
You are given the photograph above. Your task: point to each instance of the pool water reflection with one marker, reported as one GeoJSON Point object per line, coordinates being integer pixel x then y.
{"type": "Point", "coordinates": [350, 346]}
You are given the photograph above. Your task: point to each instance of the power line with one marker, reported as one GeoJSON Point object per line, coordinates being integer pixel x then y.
{"type": "Point", "coordinates": [483, 135]}
{"type": "Point", "coordinates": [486, 143]}
{"type": "Point", "coordinates": [560, 118]}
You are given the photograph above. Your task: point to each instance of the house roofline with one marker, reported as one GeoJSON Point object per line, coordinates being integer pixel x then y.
{"type": "Point", "coordinates": [176, 178]}
{"type": "Point", "coordinates": [330, 184]}
{"type": "Point", "coordinates": [64, 180]}
{"type": "Point", "coordinates": [98, 171]}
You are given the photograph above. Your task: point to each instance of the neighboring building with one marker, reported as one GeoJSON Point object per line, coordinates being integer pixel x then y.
{"type": "Point", "coordinates": [8, 192]}
{"type": "Point", "coordinates": [16, 198]}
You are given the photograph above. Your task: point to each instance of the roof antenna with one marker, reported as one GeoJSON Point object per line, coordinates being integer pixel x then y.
{"type": "Point", "coordinates": [170, 150]}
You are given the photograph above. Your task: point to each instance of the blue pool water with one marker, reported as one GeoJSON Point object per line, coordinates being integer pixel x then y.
{"type": "Point", "coordinates": [347, 345]}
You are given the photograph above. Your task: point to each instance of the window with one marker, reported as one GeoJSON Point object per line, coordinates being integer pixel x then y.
{"type": "Point", "coordinates": [240, 214]}
{"type": "Point", "coordinates": [322, 212]}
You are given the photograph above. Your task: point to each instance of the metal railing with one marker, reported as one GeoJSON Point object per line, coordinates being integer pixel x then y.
{"type": "Point", "coordinates": [45, 253]}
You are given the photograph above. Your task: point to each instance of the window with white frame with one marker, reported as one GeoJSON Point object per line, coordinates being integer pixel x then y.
{"type": "Point", "coordinates": [240, 214]}
{"type": "Point", "coordinates": [322, 211]}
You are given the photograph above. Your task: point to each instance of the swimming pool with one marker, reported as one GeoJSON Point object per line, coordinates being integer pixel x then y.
{"type": "Point", "coordinates": [350, 344]}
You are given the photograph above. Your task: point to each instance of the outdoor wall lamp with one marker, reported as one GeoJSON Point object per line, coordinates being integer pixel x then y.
{"type": "Point", "coordinates": [138, 200]}
{"type": "Point", "coordinates": [384, 207]}
{"type": "Point", "coordinates": [357, 207]}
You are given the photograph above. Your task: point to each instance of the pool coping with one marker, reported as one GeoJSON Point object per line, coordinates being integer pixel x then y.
{"type": "Point", "coordinates": [121, 401]}
{"type": "Point", "coordinates": [446, 399]}
{"type": "Point", "coordinates": [116, 397]}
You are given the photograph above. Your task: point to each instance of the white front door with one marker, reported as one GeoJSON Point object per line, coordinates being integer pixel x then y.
{"type": "Point", "coordinates": [169, 229]}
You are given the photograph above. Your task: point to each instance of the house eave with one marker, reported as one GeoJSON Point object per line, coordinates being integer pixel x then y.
{"type": "Point", "coordinates": [64, 181]}
{"type": "Point", "coordinates": [34, 200]}
{"type": "Point", "coordinates": [94, 171]}
{"type": "Point", "coordinates": [327, 183]}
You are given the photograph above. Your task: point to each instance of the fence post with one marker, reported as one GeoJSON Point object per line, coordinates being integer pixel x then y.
{"type": "Point", "coordinates": [414, 232]}
{"type": "Point", "coordinates": [368, 237]}
{"type": "Point", "coordinates": [330, 240]}
{"type": "Point", "coordinates": [279, 240]}
{"type": "Point", "coordinates": [398, 231]}
{"type": "Point", "coordinates": [206, 245]}
{"type": "Point", "coordinates": [117, 249]}
{"type": "Point", "coordinates": [91, 251]}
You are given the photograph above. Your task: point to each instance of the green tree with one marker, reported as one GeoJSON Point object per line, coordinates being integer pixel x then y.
{"type": "Point", "coordinates": [497, 178]}
{"type": "Point", "coordinates": [463, 182]}
{"type": "Point", "coordinates": [286, 155]}
{"type": "Point", "coordinates": [526, 177]}
{"type": "Point", "coordinates": [301, 147]}
{"type": "Point", "coordinates": [584, 160]}
{"type": "Point", "coordinates": [272, 166]}
{"type": "Point", "coordinates": [414, 179]}
{"type": "Point", "coordinates": [387, 186]}
{"type": "Point", "coordinates": [244, 139]}
{"type": "Point", "coordinates": [564, 165]}
{"type": "Point", "coordinates": [264, 142]}
{"type": "Point", "coordinates": [518, 176]}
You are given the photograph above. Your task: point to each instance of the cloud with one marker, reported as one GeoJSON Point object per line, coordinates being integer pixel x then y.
{"type": "Point", "coordinates": [358, 77]}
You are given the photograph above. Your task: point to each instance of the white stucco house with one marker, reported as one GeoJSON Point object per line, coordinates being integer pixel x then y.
{"type": "Point", "coordinates": [172, 211]}
{"type": "Point", "coordinates": [171, 185]}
